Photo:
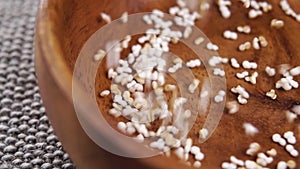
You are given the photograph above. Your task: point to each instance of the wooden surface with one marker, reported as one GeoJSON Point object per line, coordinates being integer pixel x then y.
{"type": "Point", "coordinates": [72, 22]}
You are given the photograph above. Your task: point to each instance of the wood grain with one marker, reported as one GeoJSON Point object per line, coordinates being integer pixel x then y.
{"type": "Point", "coordinates": [64, 26]}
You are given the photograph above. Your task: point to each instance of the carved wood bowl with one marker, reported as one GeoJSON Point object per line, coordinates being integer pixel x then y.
{"type": "Point", "coordinates": [64, 26]}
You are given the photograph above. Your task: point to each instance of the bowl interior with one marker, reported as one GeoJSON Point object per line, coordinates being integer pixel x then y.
{"type": "Point", "coordinates": [78, 20]}
{"type": "Point", "coordinates": [75, 21]}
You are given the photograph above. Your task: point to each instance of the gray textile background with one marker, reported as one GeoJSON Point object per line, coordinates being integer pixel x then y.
{"type": "Point", "coordinates": [26, 137]}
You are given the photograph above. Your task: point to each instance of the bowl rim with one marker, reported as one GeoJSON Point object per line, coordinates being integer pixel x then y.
{"type": "Point", "coordinates": [51, 52]}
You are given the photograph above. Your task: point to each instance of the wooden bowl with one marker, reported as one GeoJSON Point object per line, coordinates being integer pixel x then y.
{"type": "Point", "coordinates": [64, 26]}
{"type": "Point", "coordinates": [62, 29]}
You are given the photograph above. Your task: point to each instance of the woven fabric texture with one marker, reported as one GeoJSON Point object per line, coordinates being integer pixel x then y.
{"type": "Point", "coordinates": [26, 136]}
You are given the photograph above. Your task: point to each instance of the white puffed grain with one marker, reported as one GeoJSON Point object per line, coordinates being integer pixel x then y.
{"type": "Point", "coordinates": [197, 164]}
{"type": "Point", "coordinates": [211, 46]}
{"type": "Point", "coordinates": [230, 35]}
{"type": "Point", "coordinates": [124, 17]}
{"type": "Point", "coordinates": [276, 23]}
{"type": "Point", "coordinates": [282, 142]}
{"type": "Point", "coordinates": [244, 29]}
{"type": "Point", "coordinates": [104, 93]}
{"type": "Point", "coordinates": [253, 13]}
{"type": "Point", "coordinates": [270, 71]}
{"type": "Point", "coordinates": [244, 46]}
{"type": "Point", "coordinates": [232, 106]}
{"type": "Point", "coordinates": [105, 17]}
{"type": "Point", "coordinates": [122, 127]}
{"type": "Point", "coordinates": [194, 85]}
{"type": "Point", "coordinates": [219, 72]}
{"type": "Point", "coordinates": [203, 133]}
{"type": "Point", "coordinates": [282, 165]}
{"type": "Point", "coordinates": [250, 129]}
{"type": "Point", "coordinates": [255, 43]}
{"type": "Point", "coordinates": [272, 94]}
{"type": "Point", "coordinates": [291, 164]}
{"type": "Point", "coordinates": [187, 32]}
{"type": "Point", "coordinates": [234, 63]}
{"type": "Point", "coordinates": [199, 40]}
{"type": "Point", "coordinates": [140, 138]}
{"type": "Point", "coordinates": [99, 55]}
{"type": "Point", "coordinates": [295, 71]}
{"type": "Point", "coordinates": [253, 149]}
{"type": "Point", "coordinates": [242, 75]}
{"type": "Point", "coordinates": [237, 161]}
